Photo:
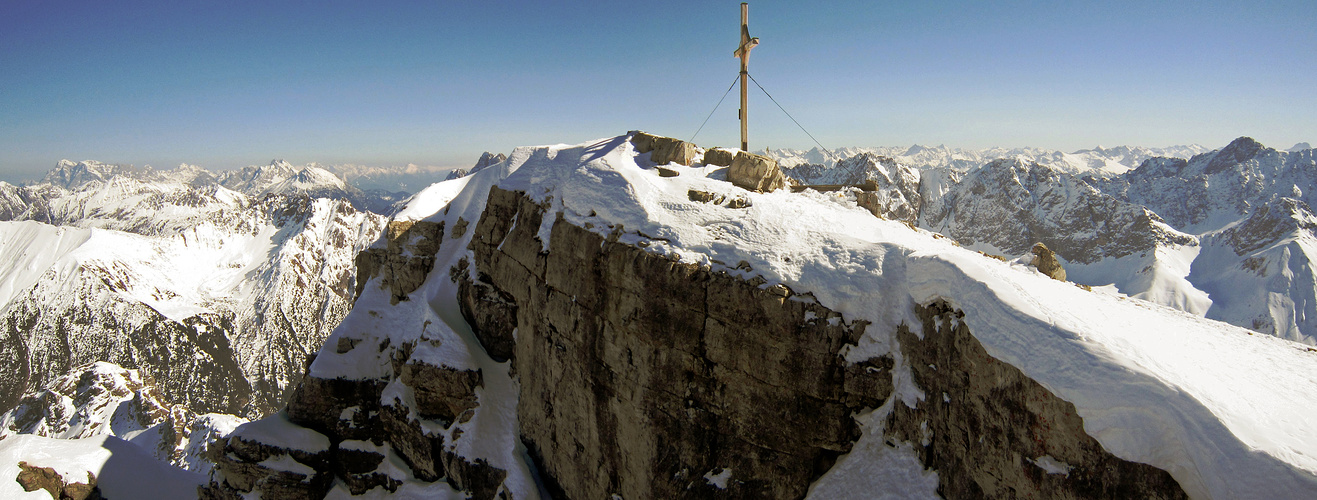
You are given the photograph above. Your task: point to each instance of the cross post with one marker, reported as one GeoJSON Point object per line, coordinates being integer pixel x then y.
{"type": "Point", "coordinates": [743, 52]}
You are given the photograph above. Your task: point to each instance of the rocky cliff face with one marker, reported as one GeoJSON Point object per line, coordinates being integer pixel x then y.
{"type": "Point", "coordinates": [992, 432]}
{"type": "Point", "coordinates": [640, 376]}
{"type": "Point", "coordinates": [658, 372]}
{"type": "Point", "coordinates": [628, 391]}
{"type": "Point", "coordinates": [388, 426]}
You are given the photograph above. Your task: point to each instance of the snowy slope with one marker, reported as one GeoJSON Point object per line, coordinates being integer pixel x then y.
{"type": "Point", "coordinates": [1226, 412]}
{"type": "Point", "coordinates": [104, 399]}
{"type": "Point", "coordinates": [1259, 271]}
{"type": "Point", "coordinates": [122, 469]}
{"type": "Point", "coordinates": [28, 249]}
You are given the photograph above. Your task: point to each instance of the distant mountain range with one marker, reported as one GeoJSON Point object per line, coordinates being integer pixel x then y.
{"type": "Point", "coordinates": [1098, 161]}
{"type": "Point", "coordinates": [1225, 233]}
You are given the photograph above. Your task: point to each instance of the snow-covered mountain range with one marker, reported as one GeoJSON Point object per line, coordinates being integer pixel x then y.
{"type": "Point", "coordinates": [1223, 233]}
{"type": "Point", "coordinates": [215, 286]}
{"type": "Point", "coordinates": [1098, 161]}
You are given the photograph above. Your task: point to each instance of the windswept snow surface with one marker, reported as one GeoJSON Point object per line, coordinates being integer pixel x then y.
{"type": "Point", "coordinates": [29, 249]}
{"type": "Point", "coordinates": [1228, 413]}
{"type": "Point", "coordinates": [122, 469]}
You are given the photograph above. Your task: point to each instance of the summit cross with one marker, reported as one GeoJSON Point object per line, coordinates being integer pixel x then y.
{"type": "Point", "coordinates": [743, 52]}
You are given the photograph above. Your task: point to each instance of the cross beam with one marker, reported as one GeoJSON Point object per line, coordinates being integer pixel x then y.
{"type": "Point", "coordinates": [743, 52]}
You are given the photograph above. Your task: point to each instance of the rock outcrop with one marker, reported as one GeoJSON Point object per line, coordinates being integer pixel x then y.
{"type": "Point", "coordinates": [1045, 261]}
{"type": "Point", "coordinates": [34, 478]}
{"type": "Point", "coordinates": [359, 427]}
{"type": "Point", "coordinates": [665, 150]}
{"type": "Point", "coordinates": [405, 260]}
{"type": "Point", "coordinates": [655, 389]}
{"type": "Point", "coordinates": [757, 173]}
{"type": "Point", "coordinates": [721, 157]}
{"type": "Point", "coordinates": [273, 457]}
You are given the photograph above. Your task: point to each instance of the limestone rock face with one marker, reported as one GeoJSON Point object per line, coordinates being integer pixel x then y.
{"type": "Point", "coordinates": [1046, 262]}
{"type": "Point", "coordinates": [641, 375]}
{"type": "Point", "coordinates": [363, 431]}
{"type": "Point", "coordinates": [248, 465]}
{"type": "Point", "coordinates": [441, 392]}
{"type": "Point", "coordinates": [756, 173]}
{"type": "Point", "coordinates": [406, 259]}
{"type": "Point", "coordinates": [992, 432]}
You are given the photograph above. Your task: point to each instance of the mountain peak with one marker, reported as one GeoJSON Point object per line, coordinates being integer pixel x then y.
{"type": "Point", "coordinates": [69, 174]}
{"type": "Point", "coordinates": [1302, 146]}
{"type": "Point", "coordinates": [1238, 151]}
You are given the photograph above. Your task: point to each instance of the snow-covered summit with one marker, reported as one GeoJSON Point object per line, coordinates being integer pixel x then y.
{"type": "Point", "coordinates": [282, 177]}
{"type": "Point", "coordinates": [1227, 413]}
{"type": "Point", "coordinates": [69, 174]}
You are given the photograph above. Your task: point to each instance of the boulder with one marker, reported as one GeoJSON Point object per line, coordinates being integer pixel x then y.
{"type": "Point", "coordinates": [756, 173]}
{"type": "Point", "coordinates": [33, 478]}
{"type": "Point", "coordinates": [719, 156]}
{"type": "Point", "coordinates": [668, 150]}
{"type": "Point", "coordinates": [664, 150]}
{"type": "Point", "coordinates": [643, 142]}
{"type": "Point", "coordinates": [1046, 262]}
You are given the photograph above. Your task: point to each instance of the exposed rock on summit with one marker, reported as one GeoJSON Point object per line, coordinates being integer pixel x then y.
{"type": "Point", "coordinates": [664, 150]}
{"type": "Point", "coordinates": [756, 173]}
{"type": "Point", "coordinates": [1045, 261]}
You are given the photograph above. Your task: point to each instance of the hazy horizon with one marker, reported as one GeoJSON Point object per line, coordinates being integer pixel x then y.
{"type": "Point", "coordinates": [36, 176]}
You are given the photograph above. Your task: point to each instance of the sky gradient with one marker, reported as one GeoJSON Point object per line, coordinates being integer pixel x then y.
{"type": "Point", "coordinates": [229, 84]}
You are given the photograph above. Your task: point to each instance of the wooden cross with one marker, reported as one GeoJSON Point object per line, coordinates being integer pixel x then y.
{"type": "Point", "coordinates": [743, 52]}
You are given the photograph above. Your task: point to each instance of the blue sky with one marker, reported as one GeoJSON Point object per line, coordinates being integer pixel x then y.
{"type": "Point", "coordinates": [228, 84]}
